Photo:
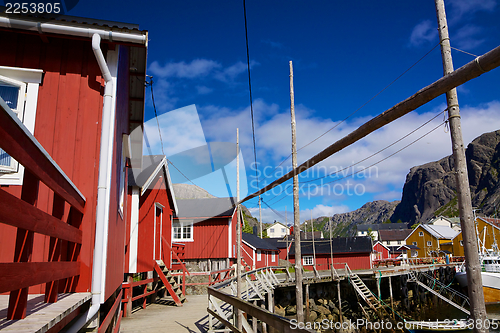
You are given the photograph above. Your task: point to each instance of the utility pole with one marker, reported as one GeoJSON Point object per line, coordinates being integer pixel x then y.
{"type": "Point", "coordinates": [260, 217]}
{"type": "Point", "coordinates": [473, 267]}
{"type": "Point", "coordinates": [312, 233]}
{"type": "Point", "coordinates": [238, 232]}
{"type": "Point", "coordinates": [296, 217]}
{"type": "Point", "coordinates": [331, 245]}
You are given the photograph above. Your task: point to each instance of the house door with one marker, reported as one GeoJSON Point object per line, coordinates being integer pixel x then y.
{"type": "Point", "coordinates": [157, 233]}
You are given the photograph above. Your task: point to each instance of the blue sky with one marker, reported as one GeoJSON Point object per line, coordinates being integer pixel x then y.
{"type": "Point", "coordinates": [343, 53]}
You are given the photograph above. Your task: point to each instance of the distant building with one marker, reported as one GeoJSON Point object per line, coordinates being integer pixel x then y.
{"type": "Point", "coordinates": [431, 240]}
{"type": "Point", "coordinates": [452, 222]}
{"type": "Point", "coordinates": [258, 252]}
{"type": "Point", "coordinates": [362, 229]}
{"type": "Point", "coordinates": [278, 230]}
{"type": "Point", "coordinates": [355, 251]}
{"type": "Point", "coordinates": [393, 236]}
{"type": "Point", "coordinates": [489, 231]}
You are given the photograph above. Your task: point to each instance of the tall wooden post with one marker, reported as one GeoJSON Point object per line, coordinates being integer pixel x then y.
{"type": "Point", "coordinates": [312, 234]}
{"type": "Point", "coordinates": [331, 245]}
{"type": "Point", "coordinates": [260, 217]}
{"type": "Point", "coordinates": [473, 267]}
{"type": "Point", "coordinates": [296, 213]}
{"type": "Point", "coordinates": [238, 232]}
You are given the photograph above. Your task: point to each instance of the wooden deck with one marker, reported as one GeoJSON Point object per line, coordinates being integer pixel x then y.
{"type": "Point", "coordinates": [41, 316]}
{"type": "Point", "coordinates": [192, 317]}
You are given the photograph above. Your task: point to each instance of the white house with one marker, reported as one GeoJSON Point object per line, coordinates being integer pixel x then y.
{"type": "Point", "coordinates": [278, 230]}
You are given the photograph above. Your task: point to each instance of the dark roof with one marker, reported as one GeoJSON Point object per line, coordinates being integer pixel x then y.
{"type": "Point", "coordinates": [304, 236]}
{"type": "Point", "coordinates": [206, 208]}
{"type": "Point", "coordinates": [138, 177]}
{"type": "Point", "coordinates": [382, 226]}
{"type": "Point", "coordinates": [339, 245]}
{"type": "Point", "coordinates": [280, 243]}
{"type": "Point", "coordinates": [394, 248]}
{"type": "Point", "coordinates": [397, 234]}
{"type": "Point", "coordinates": [259, 243]}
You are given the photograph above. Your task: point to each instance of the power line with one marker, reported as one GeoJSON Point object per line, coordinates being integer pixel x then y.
{"type": "Point", "coordinates": [350, 115]}
{"type": "Point", "coordinates": [250, 91]}
{"type": "Point", "coordinates": [380, 161]}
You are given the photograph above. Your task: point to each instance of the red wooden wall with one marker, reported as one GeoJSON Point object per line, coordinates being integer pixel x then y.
{"type": "Point", "coordinates": [67, 125]}
{"type": "Point", "coordinates": [354, 260]}
{"type": "Point", "coordinates": [382, 252]}
{"type": "Point", "coordinates": [157, 193]}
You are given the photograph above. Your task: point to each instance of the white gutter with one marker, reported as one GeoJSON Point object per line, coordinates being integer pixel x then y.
{"type": "Point", "coordinates": [61, 29]}
{"type": "Point", "coordinates": [102, 190]}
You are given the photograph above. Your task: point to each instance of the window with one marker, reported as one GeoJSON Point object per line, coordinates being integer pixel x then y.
{"type": "Point", "coordinates": [283, 230]}
{"type": "Point", "coordinates": [429, 243]}
{"type": "Point", "coordinates": [461, 243]}
{"type": "Point", "coordinates": [399, 242]}
{"type": "Point", "coordinates": [271, 230]}
{"type": "Point", "coordinates": [19, 90]}
{"type": "Point", "coordinates": [307, 260]}
{"type": "Point", "coordinates": [273, 257]}
{"type": "Point", "coordinates": [414, 243]}
{"type": "Point", "coordinates": [388, 242]}
{"type": "Point", "coordinates": [182, 230]}
{"type": "Point", "coordinates": [259, 255]}
{"type": "Point", "coordinates": [421, 233]}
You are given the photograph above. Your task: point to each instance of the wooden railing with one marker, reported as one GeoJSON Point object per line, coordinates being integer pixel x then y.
{"type": "Point", "coordinates": [179, 262]}
{"type": "Point", "coordinates": [128, 293]}
{"type": "Point", "coordinates": [62, 265]}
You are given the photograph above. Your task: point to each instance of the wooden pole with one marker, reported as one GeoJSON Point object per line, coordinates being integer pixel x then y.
{"type": "Point", "coordinates": [331, 245]}
{"type": "Point", "coordinates": [473, 69]}
{"type": "Point", "coordinates": [296, 212]}
{"type": "Point", "coordinates": [340, 301]}
{"type": "Point", "coordinates": [473, 267]}
{"type": "Point", "coordinates": [260, 217]}
{"type": "Point", "coordinates": [238, 232]}
{"type": "Point", "coordinates": [308, 313]}
{"type": "Point", "coordinates": [390, 293]}
{"type": "Point", "coordinates": [312, 233]}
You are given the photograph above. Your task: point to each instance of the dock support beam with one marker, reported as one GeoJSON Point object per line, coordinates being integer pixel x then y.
{"type": "Point", "coordinates": [390, 292]}
{"type": "Point", "coordinates": [340, 301]}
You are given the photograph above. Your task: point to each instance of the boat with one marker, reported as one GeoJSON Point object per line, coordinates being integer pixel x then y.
{"type": "Point", "coordinates": [437, 326]}
{"type": "Point", "coordinates": [490, 275]}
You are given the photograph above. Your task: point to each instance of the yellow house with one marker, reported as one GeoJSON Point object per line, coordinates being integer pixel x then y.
{"type": "Point", "coordinates": [431, 240]}
{"type": "Point", "coordinates": [488, 231]}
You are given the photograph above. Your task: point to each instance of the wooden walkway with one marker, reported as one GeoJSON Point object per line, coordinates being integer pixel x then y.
{"type": "Point", "coordinates": [191, 317]}
{"type": "Point", "coordinates": [41, 316]}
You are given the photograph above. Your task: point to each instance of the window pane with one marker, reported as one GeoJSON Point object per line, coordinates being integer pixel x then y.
{"type": "Point", "coordinates": [5, 159]}
{"type": "Point", "coordinates": [186, 231]}
{"type": "Point", "coordinates": [10, 94]}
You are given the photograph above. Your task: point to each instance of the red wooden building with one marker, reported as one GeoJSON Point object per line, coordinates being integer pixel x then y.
{"type": "Point", "coordinates": [355, 251]}
{"type": "Point", "coordinates": [257, 252]}
{"type": "Point", "coordinates": [207, 228]}
{"type": "Point", "coordinates": [380, 251]}
{"type": "Point", "coordinates": [74, 95]}
{"type": "Point", "coordinates": [152, 206]}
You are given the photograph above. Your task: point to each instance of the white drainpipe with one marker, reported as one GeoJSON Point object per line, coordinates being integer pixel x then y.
{"type": "Point", "coordinates": [102, 190]}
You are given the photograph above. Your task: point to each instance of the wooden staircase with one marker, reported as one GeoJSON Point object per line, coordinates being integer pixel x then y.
{"type": "Point", "coordinates": [366, 294]}
{"type": "Point", "coordinates": [174, 290]}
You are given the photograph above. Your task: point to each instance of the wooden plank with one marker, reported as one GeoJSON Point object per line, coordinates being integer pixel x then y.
{"type": "Point", "coordinates": [20, 275]}
{"type": "Point", "coordinates": [280, 323]}
{"type": "Point", "coordinates": [23, 215]}
{"type": "Point", "coordinates": [111, 313]}
{"type": "Point", "coordinates": [225, 322]}
{"type": "Point", "coordinates": [167, 284]}
{"type": "Point", "coordinates": [19, 143]}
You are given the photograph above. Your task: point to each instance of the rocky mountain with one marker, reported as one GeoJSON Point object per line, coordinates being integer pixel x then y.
{"type": "Point", "coordinates": [344, 224]}
{"type": "Point", "coordinates": [430, 189]}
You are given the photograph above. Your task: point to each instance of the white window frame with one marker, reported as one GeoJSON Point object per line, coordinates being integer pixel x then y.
{"type": "Point", "coordinates": [259, 255]}
{"type": "Point", "coordinates": [307, 260]}
{"type": "Point", "coordinates": [271, 230]}
{"type": "Point", "coordinates": [414, 243]}
{"type": "Point", "coordinates": [421, 233]}
{"type": "Point", "coordinates": [461, 243]}
{"type": "Point", "coordinates": [273, 257]}
{"type": "Point", "coordinates": [31, 79]}
{"type": "Point", "coordinates": [429, 242]}
{"type": "Point", "coordinates": [183, 223]}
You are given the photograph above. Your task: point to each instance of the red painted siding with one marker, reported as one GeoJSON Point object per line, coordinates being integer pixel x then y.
{"type": "Point", "coordinates": [210, 239]}
{"type": "Point", "coordinates": [354, 260]}
{"type": "Point", "coordinates": [67, 125]}
{"type": "Point", "coordinates": [382, 252]}
{"type": "Point", "coordinates": [157, 193]}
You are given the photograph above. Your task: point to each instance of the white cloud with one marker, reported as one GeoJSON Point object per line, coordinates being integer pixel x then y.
{"type": "Point", "coordinates": [466, 37]}
{"type": "Point", "coordinates": [422, 33]}
{"type": "Point", "coordinates": [194, 69]}
{"type": "Point", "coordinates": [459, 8]}
{"type": "Point", "coordinates": [269, 216]}
{"type": "Point", "coordinates": [273, 144]}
